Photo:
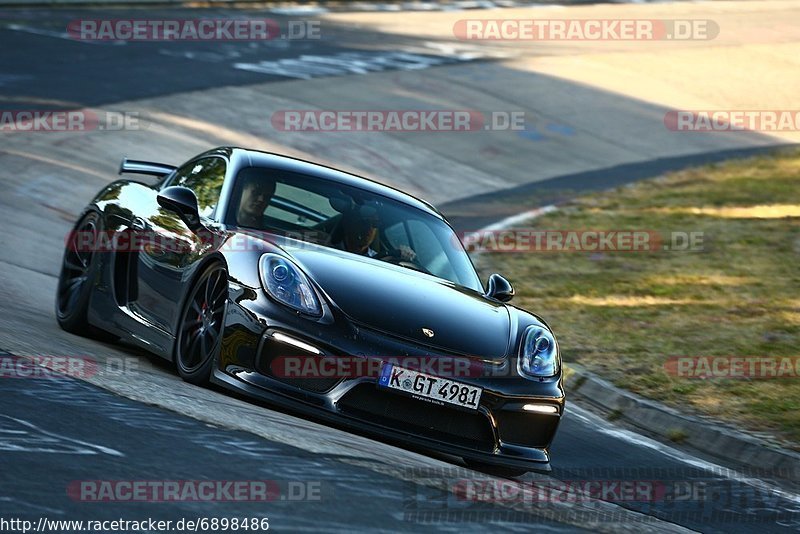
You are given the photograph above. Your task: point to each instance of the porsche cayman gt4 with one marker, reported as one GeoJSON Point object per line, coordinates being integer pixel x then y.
{"type": "Point", "coordinates": [320, 291]}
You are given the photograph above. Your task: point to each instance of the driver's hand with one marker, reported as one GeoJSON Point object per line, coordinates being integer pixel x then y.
{"type": "Point", "coordinates": [406, 254]}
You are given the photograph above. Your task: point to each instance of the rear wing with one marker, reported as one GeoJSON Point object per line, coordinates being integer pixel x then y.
{"type": "Point", "coordinates": [132, 166]}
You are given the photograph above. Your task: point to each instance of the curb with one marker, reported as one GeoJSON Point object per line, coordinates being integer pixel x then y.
{"type": "Point", "coordinates": [704, 434]}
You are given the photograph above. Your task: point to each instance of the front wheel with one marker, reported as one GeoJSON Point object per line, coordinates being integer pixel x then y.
{"type": "Point", "coordinates": [200, 331]}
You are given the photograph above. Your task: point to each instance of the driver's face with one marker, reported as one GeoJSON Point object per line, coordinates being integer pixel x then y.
{"type": "Point", "coordinates": [359, 235]}
{"type": "Point", "coordinates": [255, 198]}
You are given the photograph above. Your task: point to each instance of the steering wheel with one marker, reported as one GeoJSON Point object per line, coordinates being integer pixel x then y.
{"type": "Point", "coordinates": [406, 263]}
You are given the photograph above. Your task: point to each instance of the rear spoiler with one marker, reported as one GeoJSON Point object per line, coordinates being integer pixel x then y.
{"type": "Point", "coordinates": [132, 166]}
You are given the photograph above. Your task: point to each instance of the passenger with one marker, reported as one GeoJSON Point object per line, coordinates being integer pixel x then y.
{"type": "Point", "coordinates": [256, 195]}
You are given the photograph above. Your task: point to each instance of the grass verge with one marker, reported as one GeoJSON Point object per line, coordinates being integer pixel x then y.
{"type": "Point", "coordinates": [623, 315]}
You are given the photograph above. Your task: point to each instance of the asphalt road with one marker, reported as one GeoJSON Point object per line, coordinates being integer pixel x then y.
{"type": "Point", "coordinates": [62, 433]}
{"type": "Point", "coordinates": [50, 64]}
{"type": "Point", "coordinates": [57, 431]}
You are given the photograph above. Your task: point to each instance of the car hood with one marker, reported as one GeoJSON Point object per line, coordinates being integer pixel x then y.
{"type": "Point", "coordinates": [401, 302]}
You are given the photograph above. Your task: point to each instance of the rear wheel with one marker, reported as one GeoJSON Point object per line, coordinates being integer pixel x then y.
{"type": "Point", "coordinates": [77, 273]}
{"type": "Point", "coordinates": [200, 331]}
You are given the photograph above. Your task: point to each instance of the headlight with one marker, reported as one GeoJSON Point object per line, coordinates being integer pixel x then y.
{"type": "Point", "coordinates": [538, 355]}
{"type": "Point", "coordinates": [287, 284]}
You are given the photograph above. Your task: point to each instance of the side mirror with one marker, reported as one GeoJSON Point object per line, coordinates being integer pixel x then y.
{"type": "Point", "coordinates": [499, 288]}
{"type": "Point", "coordinates": [181, 200]}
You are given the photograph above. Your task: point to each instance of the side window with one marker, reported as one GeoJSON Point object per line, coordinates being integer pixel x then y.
{"type": "Point", "coordinates": [205, 178]}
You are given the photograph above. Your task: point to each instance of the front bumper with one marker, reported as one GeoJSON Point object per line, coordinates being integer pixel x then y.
{"type": "Point", "coordinates": [501, 432]}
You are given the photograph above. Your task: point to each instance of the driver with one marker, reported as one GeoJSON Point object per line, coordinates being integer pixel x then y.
{"type": "Point", "coordinates": [359, 232]}
{"type": "Point", "coordinates": [257, 192]}
{"type": "Point", "coordinates": [359, 235]}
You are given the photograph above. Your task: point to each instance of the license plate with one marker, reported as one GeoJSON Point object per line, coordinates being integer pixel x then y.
{"type": "Point", "coordinates": [429, 388]}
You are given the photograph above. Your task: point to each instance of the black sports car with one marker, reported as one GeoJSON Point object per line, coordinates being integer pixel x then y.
{"type": "Point", "coordinates": [321, 291]}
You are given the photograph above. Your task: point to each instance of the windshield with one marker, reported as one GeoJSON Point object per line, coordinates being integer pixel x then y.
{"type": "Point", "coordinates": [349, 219]}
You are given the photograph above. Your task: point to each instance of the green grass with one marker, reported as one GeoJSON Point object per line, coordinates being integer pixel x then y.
{"type": "Point", "coordinates": [622, 314]}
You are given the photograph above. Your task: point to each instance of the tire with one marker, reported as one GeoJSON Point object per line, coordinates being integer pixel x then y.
{"type": "Point", "coordinates": [201, 326]}
{"type": "Point", "coordinates": [78, 269]}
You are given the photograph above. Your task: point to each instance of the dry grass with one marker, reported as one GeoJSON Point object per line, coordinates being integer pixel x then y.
{"type": "Point", "coordinates": [623, 314]}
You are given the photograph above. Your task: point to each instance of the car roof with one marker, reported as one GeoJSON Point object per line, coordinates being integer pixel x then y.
{"type": "Point", "coordinates": [281, 162]}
